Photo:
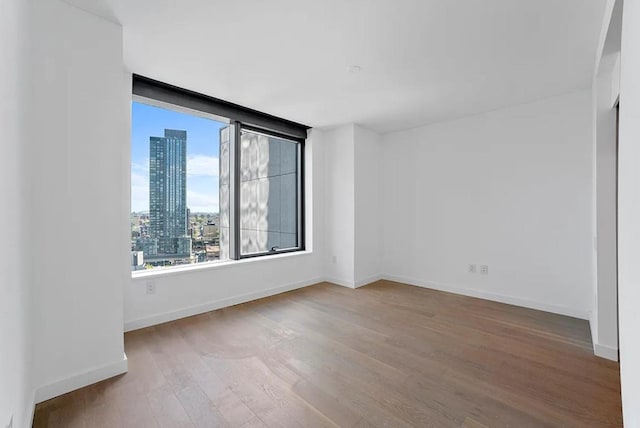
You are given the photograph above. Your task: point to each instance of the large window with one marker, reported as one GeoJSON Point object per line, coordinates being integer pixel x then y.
{"type": "Point", "coordinates": [211, 180]}
{"type": "Point", "coordinates": [175, 198]}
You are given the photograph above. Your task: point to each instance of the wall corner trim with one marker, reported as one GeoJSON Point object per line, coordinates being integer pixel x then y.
{"type": "Point", "coordinates": [354, 284]}
{"type": "Point", "coordinates": [31, 410]}
{"type": "Point", "coordinates": [367, 281]}
{"type": "Point", "coordinates": [604, 351]}
{"type": "Point", "coordinates": [342, 282]}
{"type": "Point", "coordinates": [81, 379]}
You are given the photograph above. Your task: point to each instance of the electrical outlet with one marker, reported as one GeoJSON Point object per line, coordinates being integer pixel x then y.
{"type": "Point", "coordinates": [334, 259]}
{"type": "Point", "coordinates": [484, 269]}
{"type": "Point", "coordinates": [472, 269]}
{"type": "Point", "coordinates": [151, 287]}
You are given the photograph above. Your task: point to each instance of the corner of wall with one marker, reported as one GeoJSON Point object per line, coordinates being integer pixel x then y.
{"type": "Point", "coordinates": [368, 280]}
{"type": "Point", "coordinates": [593, 325]}
{"type": "Point", "coordinates": [81, 379]}
{"type": "Point", "coordinates": [604, 351]}
{"type": "Point", "coordinates": [30, 410]}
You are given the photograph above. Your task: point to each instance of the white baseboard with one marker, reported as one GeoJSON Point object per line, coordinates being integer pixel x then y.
{"type": "Point", "coordinates": [236, 300]}
{"type": "Point", "coordinates": [465, 291]}
{"type": "Point", "coordinates": [604, 351]}
{"type": "Point", "coordinates": [354, 284]}
{"type": "Point", "coordinates": [212, 306]}
{"type": "Point", "coordinates": [80, 380]}
{"type": "Point", "coordinates": [342, 282]}
{"type": "Point", "coordinates": [367, 281]}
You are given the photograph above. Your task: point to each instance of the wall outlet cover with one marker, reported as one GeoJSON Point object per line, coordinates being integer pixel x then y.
{"type": "Point", "coordinates": [484, 269]}
{"type": "Point", "coordinates": [151, 287]}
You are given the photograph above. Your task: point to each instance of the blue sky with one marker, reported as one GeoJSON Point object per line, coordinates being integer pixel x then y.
{"type": "Point", "coordinates": [202, 155]}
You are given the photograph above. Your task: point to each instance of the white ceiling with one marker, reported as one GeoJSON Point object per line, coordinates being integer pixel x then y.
{"type": "Point", "coordinates": [422, 61]}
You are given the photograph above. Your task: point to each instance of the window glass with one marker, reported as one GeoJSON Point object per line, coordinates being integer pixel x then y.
{"type": "Point", "coordinates": [269, 193]}
{"type": "Point", "coordinates": [176, 190]}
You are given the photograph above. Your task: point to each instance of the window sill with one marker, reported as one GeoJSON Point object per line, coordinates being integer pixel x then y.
{"type": "Point", "coordinates": [197, 267]}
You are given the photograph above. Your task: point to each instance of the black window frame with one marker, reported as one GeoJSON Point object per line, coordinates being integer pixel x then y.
{"type": "Point", "coordinates": [300, 194]}
{"type": "Point", "coordinates": [239, 118]}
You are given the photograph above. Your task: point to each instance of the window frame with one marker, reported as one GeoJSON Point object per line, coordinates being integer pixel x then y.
{"type": "Point", "coordinates": [239, 118]}
{"type": "Point", "coordinates": [300, 193]}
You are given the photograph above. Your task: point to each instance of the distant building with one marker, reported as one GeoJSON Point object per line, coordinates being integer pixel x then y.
{"type": "Point", "coordinates": [137, 260]}
{"type": "Point", "coordinates": [168, 214]}
{"type": "Point", "coordinates": [149, 246]}
{"type": "Point", "coordinates": [209, 232]}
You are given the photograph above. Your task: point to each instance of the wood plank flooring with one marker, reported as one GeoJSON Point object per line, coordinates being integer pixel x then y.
{"type": "Point", "coordinates": [385, 355]}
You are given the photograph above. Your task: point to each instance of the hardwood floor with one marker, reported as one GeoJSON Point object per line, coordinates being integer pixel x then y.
{"type": "Point", "coordinates": [386, 354]}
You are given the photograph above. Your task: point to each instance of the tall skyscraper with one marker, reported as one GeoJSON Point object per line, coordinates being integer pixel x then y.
{"type": "Point", "coordinates": [168, 219]}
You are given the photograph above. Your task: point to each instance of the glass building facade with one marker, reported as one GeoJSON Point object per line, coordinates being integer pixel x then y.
{"type": "Point", "coordinates": [168, 218]}
{"type": "Point", "coordinates": [269, 178]}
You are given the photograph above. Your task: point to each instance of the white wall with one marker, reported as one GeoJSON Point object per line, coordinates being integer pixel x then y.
{"type": "Point", "coordinates": [629, 215]}
{"type": "Point", "coordinates": [352, 220]}
{"type": "Point", "coordinates": [15, 334]}
{"type": "Point", "coordinates": [605, 90]}
{"type": "Point", "coordinates": [604, 325]}
{"type": "Point", "coordinates": [77, 166]}
{"type": "Point", "coordinates": [339, 205]}
{"type": "Point", "coordinates": [511, 189]}
{"type": "Point", "coordinates": [368, 223]}
{"type": "Point", "coordinates": [182, 292]}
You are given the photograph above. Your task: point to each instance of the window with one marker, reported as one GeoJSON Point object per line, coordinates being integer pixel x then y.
{"type": "Point", "coordinates": [175, 216]}
{"type": "Point", "coordinates": [211, 180]}
{"type": "Point", "coordinates": [270, 184]}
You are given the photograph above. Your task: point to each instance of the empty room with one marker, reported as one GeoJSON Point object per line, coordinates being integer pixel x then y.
{"type": "Point", "coordinates": [339, 213]}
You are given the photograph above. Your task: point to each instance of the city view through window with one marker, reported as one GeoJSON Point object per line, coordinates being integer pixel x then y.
{"type": "Point", "coordinates": [175, 196]}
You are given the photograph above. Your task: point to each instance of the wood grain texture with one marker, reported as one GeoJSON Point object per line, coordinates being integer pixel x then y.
{"type": "Point", "coordinates": [385, 355]}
